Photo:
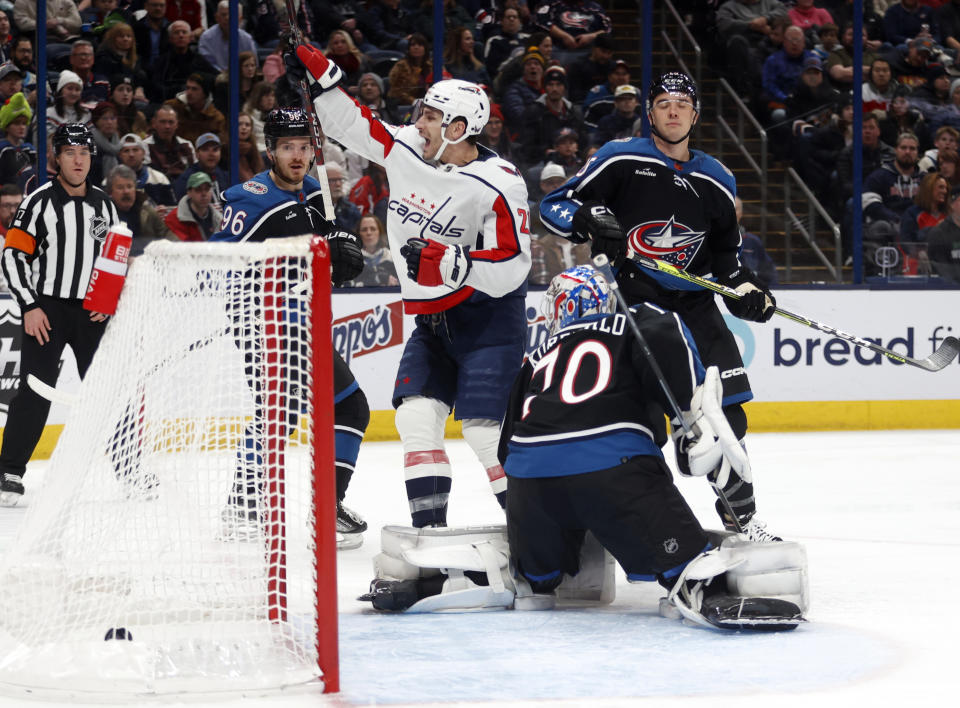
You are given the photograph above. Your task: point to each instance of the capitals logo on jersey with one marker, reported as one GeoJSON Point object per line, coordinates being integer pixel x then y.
{"type": "Point", "coordinates": [668, 241]}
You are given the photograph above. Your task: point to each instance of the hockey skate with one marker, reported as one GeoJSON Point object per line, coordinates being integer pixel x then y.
{"type": "Point", "coordinates": [756, 531]}
{"type": "Point", "coordinates": [350, 528]}
{"type": "Point", "coordinates": [11, 489]}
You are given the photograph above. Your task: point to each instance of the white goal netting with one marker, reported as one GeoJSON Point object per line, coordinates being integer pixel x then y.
{"type": "Point", "coordinates": [179, 505]}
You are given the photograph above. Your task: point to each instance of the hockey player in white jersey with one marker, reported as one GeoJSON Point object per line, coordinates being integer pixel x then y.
{"type": "Point", "coordinates": [458, 214]}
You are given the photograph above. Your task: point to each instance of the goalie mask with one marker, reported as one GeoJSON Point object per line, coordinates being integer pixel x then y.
{"type": "Point", "coordinates": [456, 99]}
{"type": "Point", "coordinates": [575, 294]}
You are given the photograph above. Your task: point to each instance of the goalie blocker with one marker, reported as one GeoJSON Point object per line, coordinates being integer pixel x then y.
{"type": "Point", "coordinates": [737, 584]}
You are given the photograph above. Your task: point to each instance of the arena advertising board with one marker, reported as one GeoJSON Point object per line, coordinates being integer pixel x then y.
{"type": "Point", "coordinates": [784, 360]}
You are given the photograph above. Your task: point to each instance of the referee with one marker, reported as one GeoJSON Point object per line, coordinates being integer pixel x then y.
{"type": "Point", "coordinates": [47, 259]}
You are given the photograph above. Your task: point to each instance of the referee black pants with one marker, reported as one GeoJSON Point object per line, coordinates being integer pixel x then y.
{"type": "Point", "coordinates": [27, 415]}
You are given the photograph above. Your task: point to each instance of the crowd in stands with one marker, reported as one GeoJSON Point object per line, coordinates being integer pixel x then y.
{"type": "Point", "coordinates": [151, 79]}
{"type": "Point", "coordinates": [793, 63]}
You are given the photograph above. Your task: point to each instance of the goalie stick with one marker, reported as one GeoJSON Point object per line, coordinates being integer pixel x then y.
{"type": "Point", "coordinates": [944, 354]}
{"type": "Point", "coordinates": [602, 264]}
{"type": "Point", "coordinates": [297, 38]}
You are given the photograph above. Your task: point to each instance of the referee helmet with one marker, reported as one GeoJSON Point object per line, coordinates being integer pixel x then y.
{"type": "Point", "coordinates": [73, 134]}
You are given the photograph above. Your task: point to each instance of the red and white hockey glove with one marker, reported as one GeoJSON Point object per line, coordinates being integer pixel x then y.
{"type": "Point", "coordinates": [432, 263]}
{"type": "Point", "coordinates": [321, 73]}
{"type": "Point", "coordinates": [109, 271]}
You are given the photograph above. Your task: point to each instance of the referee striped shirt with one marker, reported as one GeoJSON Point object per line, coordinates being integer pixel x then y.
{"type": "Point", "coordinates": [53, 241]}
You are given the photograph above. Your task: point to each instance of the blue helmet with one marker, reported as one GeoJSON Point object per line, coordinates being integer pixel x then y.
{"type": "Point", "coordinates": [574, 294]}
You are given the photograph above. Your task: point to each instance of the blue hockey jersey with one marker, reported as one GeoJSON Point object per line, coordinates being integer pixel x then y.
{"type": "Point", "coordinates": [258, 209]}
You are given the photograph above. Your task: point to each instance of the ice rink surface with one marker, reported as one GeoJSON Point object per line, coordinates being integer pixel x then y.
{"type": "Point", "coordinates": [879, 513]}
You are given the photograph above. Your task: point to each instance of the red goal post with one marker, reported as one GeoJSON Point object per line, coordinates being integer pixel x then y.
{"type": "Point", "coordinates": [191, 498]}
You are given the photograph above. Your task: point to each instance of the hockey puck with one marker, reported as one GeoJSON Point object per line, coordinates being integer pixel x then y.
{"type": "Point", "coordinates": [118, 633]}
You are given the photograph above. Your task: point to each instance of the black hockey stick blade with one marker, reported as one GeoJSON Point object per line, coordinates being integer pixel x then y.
{"type": "Point", "coordinates": [941, 358]}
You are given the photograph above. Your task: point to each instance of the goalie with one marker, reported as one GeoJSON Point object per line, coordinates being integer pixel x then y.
{"type": "Point", "coordinates": [581, 449]}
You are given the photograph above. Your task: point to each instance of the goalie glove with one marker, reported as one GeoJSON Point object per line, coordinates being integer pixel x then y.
{"type": "Point", "coordinates": [756, 304]}
{"type": "Point", "coordinates": [346, 256]}
{"type": "Point", "coordinates": [310, 63]}
{"type": "Point", "coordinates": [433, 263]}
{"type": "Point", "coordinates": [596, 222]}
{"type": "Point", "coordinates": [711, 448]}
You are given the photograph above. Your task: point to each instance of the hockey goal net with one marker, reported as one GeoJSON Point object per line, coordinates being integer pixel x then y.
{"type": "Point", "coordinates": [182, 539]}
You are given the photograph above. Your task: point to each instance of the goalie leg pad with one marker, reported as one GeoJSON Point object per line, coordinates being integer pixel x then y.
{"type": "Point", "coordinates": [742, 585]}
{"type": "Point", "coordinates": [770, 570]}
{"type": "Point", "coordinates": [596, 581]}
{"type": "Point", "coordinates": [457, 557]}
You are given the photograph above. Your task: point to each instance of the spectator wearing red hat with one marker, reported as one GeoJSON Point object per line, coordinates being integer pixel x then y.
{"type": "Point", "coordinates": [494, 135]}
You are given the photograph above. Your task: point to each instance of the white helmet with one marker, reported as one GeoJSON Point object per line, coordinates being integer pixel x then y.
{"type": "Point", "coordinates": [574, 294]}
{"type": "Point", "coordinates": [459, 99]}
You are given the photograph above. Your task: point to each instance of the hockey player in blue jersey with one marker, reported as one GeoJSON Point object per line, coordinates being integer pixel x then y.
{"type": "Point", "coordinates": [286, 201]}
{"type": "Point", "coordinates": [581, 448]}
{"type": "Point", "coordinates": [659, 198]}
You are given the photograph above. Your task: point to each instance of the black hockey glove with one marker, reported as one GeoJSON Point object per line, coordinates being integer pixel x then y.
{"type": "Point", "coordinates": [756, 304]}
{"type": "Point", "coordinates": [346, 256]}
{"type": "Point", "coordinates": [595, 222]}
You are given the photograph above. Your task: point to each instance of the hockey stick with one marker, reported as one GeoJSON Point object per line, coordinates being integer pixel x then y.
{"type": "Point", "coordinates": [50, 393]}
{"type": "Point", "coordinates": [602, 264]}
{"type": "Point", "coordinates": [944, 354]}
{"type": "Point", "coordinates": [297, 38]}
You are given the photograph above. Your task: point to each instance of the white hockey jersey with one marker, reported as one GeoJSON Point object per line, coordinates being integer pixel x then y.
{"type": "Point", "coordinates": [482, 205]}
